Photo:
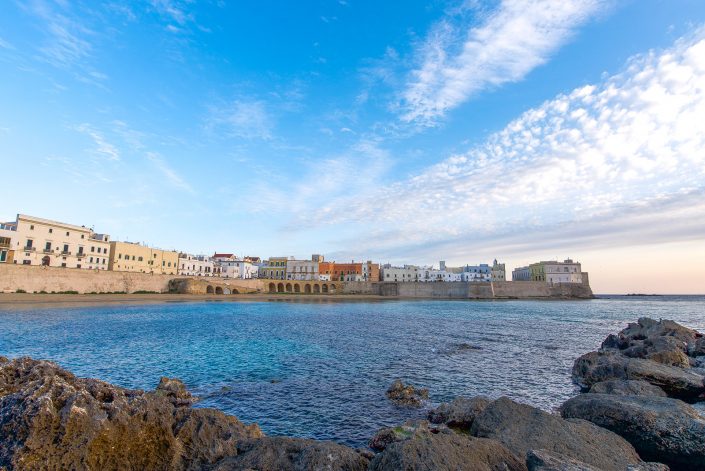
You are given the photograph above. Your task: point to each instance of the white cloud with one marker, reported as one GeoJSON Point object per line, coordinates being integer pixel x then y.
{"type": "Point", "coordinates": [243, 118]}
{"type": "Point", "coordinates": [609, 159]}
{"type": "Point", "coordinates": [103, 148]}
{"type": "Point", "coordinates": [169, 173]}
{"type": "Point", "coordinates": [458, 61]}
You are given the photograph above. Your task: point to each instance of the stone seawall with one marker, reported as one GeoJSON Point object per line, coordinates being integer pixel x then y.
{"type": "Point", "coordinates": [33, 279]}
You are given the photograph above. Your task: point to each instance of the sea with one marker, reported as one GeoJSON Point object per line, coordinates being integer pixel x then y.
{"type": "Point", "coordinates": [320, 368]}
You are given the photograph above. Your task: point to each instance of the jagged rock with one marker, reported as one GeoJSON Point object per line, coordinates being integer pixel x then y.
{"type": "Point", "coordinates": [406, 395]}
{"type": "Point", "coordinates": [544, 460]}
{"type": "Point", "coordinates": [446, 452]}
{"type": "Point", "coordinates": [661, 429]}
{"type": "Point", "coordinates": [458, 413]}
{"type": "Point", "coordinates": [50, 419]}
{"type": "Point", "coordinates": [175, 390]}
{"type": "Point", "coordinates": [648, 467]}
{"type": "Point", "coordinates": [627, 387]}
{"type": "Point", "coordinates": [522, 428]}
{"type": "Point", "coordinates": [699, 348]}
{"type": "Point", "coordinates": [595, 367]}
{"type": "Point", "coordinates": [293, 454]}
{"type": "Point", "coordinates": [407, 431]}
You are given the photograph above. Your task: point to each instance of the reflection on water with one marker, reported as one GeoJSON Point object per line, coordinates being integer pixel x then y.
{"type": "Point", "coordinates": [317, 368]}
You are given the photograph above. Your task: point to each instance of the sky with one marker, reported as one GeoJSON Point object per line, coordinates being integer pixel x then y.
{"type": "Point", "coordinates": [401, 132]}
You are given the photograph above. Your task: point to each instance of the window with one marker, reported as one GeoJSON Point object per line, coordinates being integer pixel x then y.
{"type": "Point", "coordinates": [3, 255]}
{"type": "Point", "coordinates": [80, 251]}
{"type": "Point", "coordinates": [47, 247]}
{"type": "Point", "coordinates": [91, 260]}
{"type": "Point", "coordinates": [139, 258]}
{"type": "Point", "coordinates": [51, 230]}
{"type": "Point", "coordinates": [29, 243]}
{"type": "Point", "coordinates": [78, 265]}
{"type": "Point", "coordinates": [26, 262]}
{"type": "Point", "coordinates": [66, 248]}
{"type": "Point", "coordinates": [92, 249]}
{"type": "Point", "coordinates": [83, 236]}
{"type": "Point", "coordinates": [67, 234]}
{"type": "Point", "coordinates": [133, 258]}
{"type": "Point", "coordinates": [103, 261]}
{"type": "Point", "coordinates": [31, 228]}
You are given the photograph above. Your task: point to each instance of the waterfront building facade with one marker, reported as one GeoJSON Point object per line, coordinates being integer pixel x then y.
{"type": "Point", "coordinates": [238, 268]}
{"type": "Point", "coordinates": [498, 272]}
{"type": "Point", "coordinates": [44, 242]}
{"type": "Point", "coordinates": [430, 274]}
{"type": "Point", "coordinates": [405, 273]}
{"type": "Point", "coordinates": [553, 271]}
{"type": "Point", "coordinates": [8, 234]}
{"type": "Point", "coordinates": [477, 273]}
{"type": "Point", "coordinates": [521, 274]}
{"type": "Point", "coordinates": [274, 268]}
{"type": "Point", "coordinates": [195, 265]}
{"type": "Point", "coordinates": [134, 257]}
{"type": "Point", "coordinates": [302, 269]}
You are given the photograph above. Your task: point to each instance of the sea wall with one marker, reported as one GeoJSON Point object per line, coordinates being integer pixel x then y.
{"type": "Point", "coordinates": [52, 279]}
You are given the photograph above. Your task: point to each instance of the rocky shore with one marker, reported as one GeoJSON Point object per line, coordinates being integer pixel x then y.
{"type": "Point", "coordinates": [635, 413]}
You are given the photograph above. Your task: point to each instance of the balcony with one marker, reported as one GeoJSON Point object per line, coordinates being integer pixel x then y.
{"type": "Point", "coordinates": [65, 252]}
{"type": "Point", "coordinates": [29, 249]}
{"type": "Point", "coordinates": [48, 251]}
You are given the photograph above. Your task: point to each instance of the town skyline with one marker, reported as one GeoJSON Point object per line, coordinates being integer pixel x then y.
{"type": "Point", "coordinates": [433, 136]}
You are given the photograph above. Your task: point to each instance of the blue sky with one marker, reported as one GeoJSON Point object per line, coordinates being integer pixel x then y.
{"type": "Point", "coordinates": [397, 131]}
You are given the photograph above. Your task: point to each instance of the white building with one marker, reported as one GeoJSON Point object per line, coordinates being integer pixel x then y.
{"type": "Point", "coordinates": [195, 265]}
{"type": "Point", "coordinates": [302, 269]}
{"type": "Point", "coordinates": [430, 274]}
{"type": "Point", "coordinates": [521, 274]}
{"type": "Point", "coordinates": [8, 236]}
{"type": "Point", "coordinates": [477, 273]}
{"type": "Point", "coordinates": [566, 271]}
{"type": "Point", "coordinates": [405, 273]}
{"type": "Point", "coordinates": [51, 243]}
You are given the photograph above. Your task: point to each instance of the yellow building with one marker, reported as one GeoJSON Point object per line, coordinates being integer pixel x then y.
{"type": "Point", "coordinates": [274, 268]}
{"type": "Point", "coordinates": [128, 256]}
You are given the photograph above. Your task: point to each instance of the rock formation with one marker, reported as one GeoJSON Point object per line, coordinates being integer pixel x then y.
{"type": "Point", "coordinates": [406, 395]}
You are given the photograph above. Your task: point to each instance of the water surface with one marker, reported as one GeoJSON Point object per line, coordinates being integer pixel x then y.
{"type": "Point", "coordinates": [320, 369]}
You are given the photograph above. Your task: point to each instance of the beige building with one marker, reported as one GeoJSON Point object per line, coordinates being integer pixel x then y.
{"type": "Point", "coordinates": [7, 245]}
{"type": "Point", "coordinates": [274, 268]}
{"type": "Point", "coordinates": [129, 256]}
{"type": "Point", "coordinates": [38, 241]}
{"type": "Point", "coordinates": [499, 271]}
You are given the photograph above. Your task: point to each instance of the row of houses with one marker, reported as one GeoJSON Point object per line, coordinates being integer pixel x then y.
{"type": "Point", "coordinates": [31, 240]}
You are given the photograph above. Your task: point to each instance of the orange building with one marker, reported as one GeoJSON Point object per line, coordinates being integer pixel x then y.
{"type": "Point", "coordinates": [353, 271]}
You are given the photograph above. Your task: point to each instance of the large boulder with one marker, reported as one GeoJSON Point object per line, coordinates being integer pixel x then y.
{"type": "Point", "coordinates": [293, 454]}
{"type": "Point", "coordinates": [50, 419]}
{"type": "Point", "coordinates": [446, 452]}
{"type": "Point", "coordinates": [522, 428]}
{"type": "Point", "coordinates": [406, 395]}
{"type": "Point", "coordinates": [627, 387]}
{"type": "Point", "coordinates": [595, 367]}
{"type": "Point", "coordinates": [661, 429]}
{"type": "Point", "coordinates": [544, 460]}
{"type": "Point", "coordinates": [410, 429]}
{"type": "Point", "coordinates": [460, 412]}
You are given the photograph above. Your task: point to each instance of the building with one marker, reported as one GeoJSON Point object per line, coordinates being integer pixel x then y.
{"type": "Point", "coordinates": [477, 273]}
{"type": "Point", "coordinates": [430, 274]}
{"type": "Point", "coordinates": [303, 269]}
{"type": "Point", "coordinates": [353, 271]}
{"type": "Point", "coordinates": [195, 265]}
{"type": "Point", "coordinates": [238, 268]}
{"type": "Point", "coordinates": [8, 234]}
{"type": "Point", "coordinates": [38, 241]}
{"type": "Point", "coordinates": [274, 268]}
{"type": "Point", "coordinates": [498, 271]}
{"type": "Point", "coordinates": [405, 274]}
{"type": "Point", "coordinates": [553, 271]}
{"type": "Point", "coordinates": [521, 274]}
{"type": "Point", "coordinates": [131, 256]}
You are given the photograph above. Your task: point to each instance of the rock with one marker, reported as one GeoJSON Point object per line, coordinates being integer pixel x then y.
{"type": "Point", "coordinates": [407, 431]}
{"type": "Point", "coordinates": [522, 428]}
{"type": "Point", "coordinates": [293, 454]}
{"type": "Point", "coordinates": [446, 452]}
{"type": "Point", "coordinates": [699, 348]}
{"type": "Point", "coordinates": [544, 460]}
{"type": "Point", "coordinates": [595, 367]}
{"type": "Point", "coordinates": [625, 387]}
{"type": "Point", "coordinates": [175, 390]}
{"type": "Point", "coordinates": [661, 429]}
{"type": "Point", "coordinates": [406, 395]}
{"type": "Point", "coordinates": [460, 412]}
{"type": "Point", "coordinates": [51, 419]}
{"type": "Point", "coordinates": [648, 467]}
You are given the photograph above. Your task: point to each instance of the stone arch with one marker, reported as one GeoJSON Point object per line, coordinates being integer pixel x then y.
{"type": "Point", "coordinates": [307, 288]}
{"type": "Point", "coordinates": [324, 288]}
{"type": "Point", "coordinates": [288, 287]}
{"type": "Point", "coordinates": [209, 289]}
{"type": "Point", "coordinates": [226, 291]}
{"type": "Point", "coordinates": [280, 288]}
{"type": "Point", "coordinates": [297, 288]}
{"type": "Point", "coordinates": [272, 288]}
{"type": "Point", "coordinates": [333, 288]}
{"type": "Point", "coordinates": [218, 290]}
{"type": "Point", "coordinates": [236, 291]}
{"type": "Point", "coordinates": [316, 288]}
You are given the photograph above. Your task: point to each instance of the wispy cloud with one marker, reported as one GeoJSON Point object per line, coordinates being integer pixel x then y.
{"type": "Point", "coordinates": [169, 173]}
{"type": "Point", "coordinates": [457, 61]}
{"type": "Point", "coordinates": [103, 149]}
{"type": "Point", "coordinates": [243, 118]}
{"type": "Point", "coordinates": [627, 149]}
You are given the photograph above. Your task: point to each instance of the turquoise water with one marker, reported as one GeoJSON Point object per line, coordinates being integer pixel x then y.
{"type": "Point", "coordinates": [320, 369]}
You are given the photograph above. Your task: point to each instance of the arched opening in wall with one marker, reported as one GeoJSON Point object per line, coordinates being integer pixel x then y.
{"type": "Point", "coordinates": [218, 290]}
{"type": "Point", "coordinates": [324, 288]}
{"type": "Point", "coordinates": [209, 289]}
{"type": "Point", "coordinates": [307, 289]}
{"type": "Point", "coordinates": [272, 288]}
{"type": "Point", "coordinates": [288, 287]}
{"type": "Point", "coordinates": [297, 288]}
{"type": "Point", "coordinates": [226, 290]}
{"type": "Point", "coordinates": [280, 288]}
{"type": "Point", "coordinates": [235, 291]}
{"type": "Point", "coordinates": [333, 288]}
{"type": "Point", "coordinates": [46, 261]}
{"type": "Point", "coordinates": [316, 289]}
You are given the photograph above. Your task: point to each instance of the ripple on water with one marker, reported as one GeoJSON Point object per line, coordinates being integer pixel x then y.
{"type": "Point", "coordinates": [320, 370]}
